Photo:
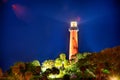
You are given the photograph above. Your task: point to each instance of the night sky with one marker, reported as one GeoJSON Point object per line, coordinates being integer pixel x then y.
{"type": "Point", "coordinates": [38, 29]}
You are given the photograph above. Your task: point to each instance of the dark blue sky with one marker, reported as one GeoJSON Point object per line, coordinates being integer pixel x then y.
{"type": "Point", "coordinates": [38, 29]}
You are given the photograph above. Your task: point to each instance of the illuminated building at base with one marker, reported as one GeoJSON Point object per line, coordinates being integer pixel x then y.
{"type": "Point", "coordinates": [73, 45]}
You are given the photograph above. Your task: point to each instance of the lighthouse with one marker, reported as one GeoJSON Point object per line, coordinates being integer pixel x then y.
{"type": "Point", "coordinates": [73, 44]}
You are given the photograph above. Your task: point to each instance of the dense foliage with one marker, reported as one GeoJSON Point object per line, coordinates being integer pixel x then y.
{"type": "Point", "coordinates": [104, 65]}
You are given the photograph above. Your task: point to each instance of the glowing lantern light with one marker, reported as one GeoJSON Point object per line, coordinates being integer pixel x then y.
{"type": "Point", "coordinates": [73, 24]}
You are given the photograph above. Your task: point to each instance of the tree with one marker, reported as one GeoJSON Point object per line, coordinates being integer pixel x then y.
{"type": "Point", "coordinates": [36, 63]}
{"type": "Point", "coordinates": [21, 66]}
{"type": "Point", "coordinates": [58, 63]}
{"type": "Point", "coordinates": [47, 64]}
{"type": "Point", "coordinates": [15, 70]}
{"type": "Point", "coordinates": [1, 73]}
{"type": "Point", "coordinates": [28, 75]}
{"type": "Point", "coordinates": [66, 63]}
{"type": "Point", "coordinates": [62, 56]}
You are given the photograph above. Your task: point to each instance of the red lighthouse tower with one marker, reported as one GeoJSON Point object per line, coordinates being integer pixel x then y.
{"type": "Point", "coordinates": [73, 45]}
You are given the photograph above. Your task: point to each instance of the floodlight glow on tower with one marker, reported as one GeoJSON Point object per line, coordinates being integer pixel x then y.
{"type": "Point", "coordinates": [73, 45]}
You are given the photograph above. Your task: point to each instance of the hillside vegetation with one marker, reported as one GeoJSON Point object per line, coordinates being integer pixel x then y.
{"type": "Point", "coordinates": [104, 65]}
